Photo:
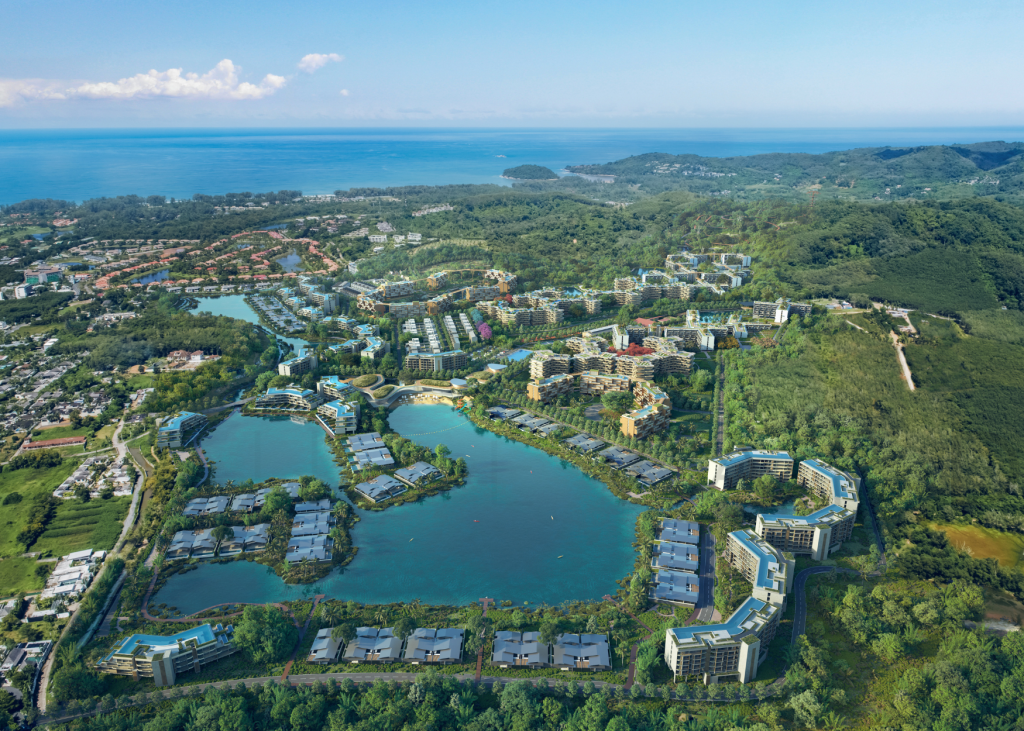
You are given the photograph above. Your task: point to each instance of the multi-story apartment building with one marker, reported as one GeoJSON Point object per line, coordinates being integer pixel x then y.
{"type": "Point", "coordinates": [725, 472]}
{"type": "Point", "coordinates": [375, 348]}
{"type": "Point", "coordinates": [163, 658]}
{"type": "Point", "coordinates": [326, 301]}
{"type": "Point", "coordinates": [644, 422]}
{"type": "Point", "coordinates": [335, 388]}
{"type": "Point", "coordinates": [781, 309]}
{"type": "Point", "coordinates": [550, 388]}
{"type": "Point", "coordinates": [731, 649]}
{"type": "Point", "coordinates": [544, 363]}
{"type": "Point", "coordinates": [301, 399]}
{"type": "Point", "coordinates": [397, 289]}
{"type": "Point", "coordinates": [340, 417]}
{"type": "Point", "coordinates": [647, 393]}
{"type": "Point", "coordinates": [437, 280]}
{"type": "Point", "coordinates": [816, 535]}
{"type": "Point", "coordinates": [764, 566]}
{"type": "Point", "coordinates": [594, 382]}
{"type": "Point", "coordinates": [824, 480]}
{"type": "Point", "coordinates": [303, 363]}
{"type": "Point", "coordinates": [448, 361]}
{"type": "Point", "coordinates": [176, 428]}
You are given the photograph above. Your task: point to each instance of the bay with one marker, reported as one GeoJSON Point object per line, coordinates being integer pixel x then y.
{"type": "Point", "coordinates": [82, 164]}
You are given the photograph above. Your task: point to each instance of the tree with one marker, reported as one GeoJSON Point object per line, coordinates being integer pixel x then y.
{"type": "Point", "coordinates": [550, 629]}
{"type": "Point", "coordinates": [265, 634]}
{"type": "Point", "coordinates": [620, 401]}
{"type": "Point", "coordinates": [404, 627]}
{"type": "Point", "coordinates": [74, 683]}
{"type": "Point", "coordinates": [345, 632]}
{"type": "Point", "coordinates": [277, 499]}
{"type": "Point", "coordinates": [806, 708]}
{"type": "Point", "coordinates": [223, 533]}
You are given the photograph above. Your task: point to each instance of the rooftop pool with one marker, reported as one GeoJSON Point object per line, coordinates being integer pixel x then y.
{"type": "Point", "coordinates": [526, 527]}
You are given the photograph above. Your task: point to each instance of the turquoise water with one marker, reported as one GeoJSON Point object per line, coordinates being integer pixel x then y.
{"type": "Point", "coordinates": [84, 163]}
{"type": "Point", "coordinates": [786, 508]}
{"type": "Point", "coordinates": [233, 305]}
{"type": "Point", "coordinates": [262, 447]}
{"type": "Point", "coordinates": [500, 535]}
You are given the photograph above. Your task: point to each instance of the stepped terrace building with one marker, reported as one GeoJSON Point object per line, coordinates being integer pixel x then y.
{"type": "Point", "coordinates": [545, 363]}
{"type": "Point", "coordinates": [725, 472]}
{"type": "Point", "coordinates": [550, 388]}
{"type": "Point", "coordinates": [581, 652]}
{"type": "Point", "coordinates": [289, 399]}
{"type": "Point", "coordinates": [729, 650]}
{"type": "Point", "coordinates": [174, 432]}
{"type": "Point", "coordinates": [763, 565]}
{"type": "Point", "coordinates": [594, 382]}
{"type": "Point", "coordinates": [164, 658]}
{"type": "Point", "coordinates": [825, 481]}
{"type": "Point", "coordinates": [334, 388]}
{"type": "Point", "coordinates": [430, 646]}
{"type": "Point", "coordinates": [816, 535]}
{"type": "Point", "coordinates": [644, 422]}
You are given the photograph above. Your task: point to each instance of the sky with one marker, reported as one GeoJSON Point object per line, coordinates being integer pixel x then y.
{"type": "Point", "coordinates": [529, 63]}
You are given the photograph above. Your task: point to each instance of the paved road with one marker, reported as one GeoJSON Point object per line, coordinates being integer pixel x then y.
{"type": "Point", "coordinates": [720, 408]}
{"type": "Point", "coordinates": [705, 609]}
{"type": "Point", "coordinates": [800, 597]}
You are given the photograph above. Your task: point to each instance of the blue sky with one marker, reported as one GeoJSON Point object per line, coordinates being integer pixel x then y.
{"type": "Point", "coordinates": [70, 63]}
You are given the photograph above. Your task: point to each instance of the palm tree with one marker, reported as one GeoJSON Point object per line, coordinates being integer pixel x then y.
{"type": "Point", "coordinates": [330, 613]}
{"type": "Point", "coordinates": [381, 616]}
{"type": "Point", "coordinates": [833, 721]}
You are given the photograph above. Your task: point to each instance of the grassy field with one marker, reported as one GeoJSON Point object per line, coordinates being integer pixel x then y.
{"type": "Point", "coordinates": [61, 432]}
{"type": "Point", "coordinates": [77, 525]}
{"type": "Point", "coordinates": [18, 574]}
{"type": "Point", "coordinates": [1006, 548]}
{"type": "Point", "coordinates": [29, 484]}
{"type": "Point", "coordinates": [140, 381]}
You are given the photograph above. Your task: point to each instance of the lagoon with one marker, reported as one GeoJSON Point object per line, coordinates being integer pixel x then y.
{"type": "Point", "coordinates": [261, 447]}
{"type": "Point", "coordinates": [234, 305]}
{"type": "Point", "coordinates": [526, 526]}
{"type": "Point", "coordinates": [159, 276]}
{"type": "Point", "coordinates": [292, 262]}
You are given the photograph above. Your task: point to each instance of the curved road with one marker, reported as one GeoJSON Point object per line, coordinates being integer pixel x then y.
{"type": "Point", "coordinates": [800, 596]}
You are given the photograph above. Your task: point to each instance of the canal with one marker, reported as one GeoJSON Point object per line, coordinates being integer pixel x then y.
{"type": "Point", "coordinates": [526, 527]}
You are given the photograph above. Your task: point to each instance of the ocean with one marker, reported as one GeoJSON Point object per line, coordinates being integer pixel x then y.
{"type": "Point", "coordinates": [81, 164]}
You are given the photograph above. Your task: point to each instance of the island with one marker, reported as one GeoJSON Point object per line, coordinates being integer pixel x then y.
{"type": "Point", "coordinates": [529, 172]}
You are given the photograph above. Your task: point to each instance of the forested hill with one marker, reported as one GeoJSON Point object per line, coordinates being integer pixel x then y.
{"type": "Point", "coordinates": [889, 173]}
{"type": "Point", "coordinates": [530, 172]}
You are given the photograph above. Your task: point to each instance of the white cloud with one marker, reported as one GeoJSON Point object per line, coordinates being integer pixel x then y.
{"type": "Point", "coordinates": [221, 82]}
{"type": "Point", "coordinates": [313, 61]}
{"type": "Point", "coordinates": [344, 92]}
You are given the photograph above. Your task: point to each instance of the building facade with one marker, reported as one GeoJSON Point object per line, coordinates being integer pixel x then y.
{"type": "Point", "coordinates": [725, 472]}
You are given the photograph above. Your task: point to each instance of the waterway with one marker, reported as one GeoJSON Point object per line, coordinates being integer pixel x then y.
{"type": "Point", "coordinates": [292, 262]}
{"type": "Point", "coordinates": [159, 276]}
{"type": "Point", "coordinates": [526, 526]}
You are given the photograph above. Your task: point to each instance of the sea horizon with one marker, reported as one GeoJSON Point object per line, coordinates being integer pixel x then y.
{"type": "Point", "coordinates": [82, 163]}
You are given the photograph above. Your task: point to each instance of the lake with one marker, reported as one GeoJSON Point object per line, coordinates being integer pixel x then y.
{"type": "Point", "coordinates": [234, 305]}
{"type": "Point", "coordinates": [159, 276]}
{"type": "Point", "coordinates": [526, 526]}
{"type": "Point", "coordinates": [292, 262]}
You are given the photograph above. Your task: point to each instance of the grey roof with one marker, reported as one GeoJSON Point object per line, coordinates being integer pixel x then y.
{"type": "Point", "coordinates": [380, 488]}
{"type": "Point", "coordinates": [313, 506]}
{"type": "Point", "coordinates": [638, 468]}
{"type": "Point", "coordinates": [417, 472]}
{"type": "Point", "coordinates": [434, 645]}
{"type": "Point", "coordinates": [503, 412]}
{"type": "Point", "coordinates": [548, 428]}
{"type": "Point", "coordinates": [519, 648]}
{"type": "Point", "coordinates": [654, 475]}
{"type": "Point", "coordinates": [298, 543]}
{"type": "Point", "coordinates": [673, 586]}
{"type": "Point", "coordinates": [680, 531]}
{"type": "Point", "coordinates": [324, 649]}
{"type": "Point", "coordinates": [372, 458]}
{"type": "Point", "coordinates": [311, 529]}
{"type": "Point", "coordinates": [362, 442]}
{"type": "Point", "coordinates": [585, 652]}
{"type": "Point", "coordinates": [677, 557]}
{"type": "Point", "coordinates": [584, 442]}
{"type": "Point", "coordinates": [618, 456]}
{"type": "Point", "coordinates": [374, 645]}
{"type": "Point", "coordinates": [243, 503]}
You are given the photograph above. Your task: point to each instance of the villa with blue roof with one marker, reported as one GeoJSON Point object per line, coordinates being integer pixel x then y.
{"type": "Point", "coordinates": [163, 658]}
{"type": "Point", "coordinates": [764, 566]}
{"type": "Point", "coordinates": [816, 535]}
{"type": "Point", "coordinates": [174, 432]}
{"type": "Point", "coordinates": [732, 649]}
{"type": "Point", "coordinates": [724, 472]}
{"type": "Point", "coordinates": [824, 480]}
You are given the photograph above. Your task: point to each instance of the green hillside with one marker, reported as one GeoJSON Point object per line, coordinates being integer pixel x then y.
{"type": "Point", "coordinates": [530, 172]}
